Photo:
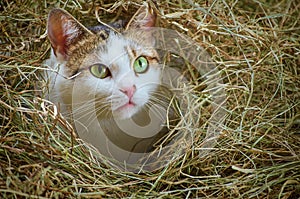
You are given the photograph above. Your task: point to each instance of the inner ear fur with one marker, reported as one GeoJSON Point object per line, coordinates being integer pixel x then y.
{"type": "Point", "coordinates": [145, 17]}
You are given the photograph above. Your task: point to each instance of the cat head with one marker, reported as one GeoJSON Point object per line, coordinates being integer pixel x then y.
{"type": "Point", "coordinates": [119, 69]}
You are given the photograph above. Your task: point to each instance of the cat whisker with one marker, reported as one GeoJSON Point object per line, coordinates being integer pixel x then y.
{"type": "Point", "coordinates": [84, 108]}
{"type": "Point", "coordinates": [92, 114]}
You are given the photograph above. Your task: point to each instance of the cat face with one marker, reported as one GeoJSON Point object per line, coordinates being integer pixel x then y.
{"type": "Point", "coordinates": [122, 72]}
{"type": "Point", "coordinates": [118, 72]}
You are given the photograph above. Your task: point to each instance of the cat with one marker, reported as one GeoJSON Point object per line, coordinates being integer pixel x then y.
{"type": "Point", "coordinates": [103, 79]}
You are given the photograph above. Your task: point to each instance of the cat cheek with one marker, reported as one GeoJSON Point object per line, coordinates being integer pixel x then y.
{"type": "Point", "coordinates": [140, 98]}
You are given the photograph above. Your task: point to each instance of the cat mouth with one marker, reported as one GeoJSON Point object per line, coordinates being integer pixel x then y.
{"type": "Point", "coordinates": [128, 105]}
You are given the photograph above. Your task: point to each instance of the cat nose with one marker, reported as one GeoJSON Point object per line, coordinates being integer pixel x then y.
{"type": "Point", "coordinates": [129, 91]}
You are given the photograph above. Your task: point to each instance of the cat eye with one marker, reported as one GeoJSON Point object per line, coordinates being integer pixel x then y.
{"type": "Point", "coordinates": [140, 65]}
{"type": "Point", "coordinates": [100, 71]}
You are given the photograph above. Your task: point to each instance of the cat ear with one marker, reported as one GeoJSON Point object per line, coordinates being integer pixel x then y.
{"type": "Point", "coordinates": [145, 17]}
{"type": "Point", "coordinates": [63, 31]}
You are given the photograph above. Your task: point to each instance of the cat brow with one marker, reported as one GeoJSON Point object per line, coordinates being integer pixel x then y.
{"type": "Point", "coordinates": [130, 51]}
{"type": "Point", "coordinates": [77, 73]}
{"type": "Point", "coordinates": [73, 76]}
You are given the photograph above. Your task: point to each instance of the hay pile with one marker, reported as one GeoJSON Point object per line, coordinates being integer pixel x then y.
{"type": "Point", "coordinates": [256, 45]}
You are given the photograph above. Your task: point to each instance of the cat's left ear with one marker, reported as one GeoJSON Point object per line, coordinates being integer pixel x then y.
{"type": "Point", "coordinates": [145, 17]}
{"type": "Point", "coordinates": [63, 31]}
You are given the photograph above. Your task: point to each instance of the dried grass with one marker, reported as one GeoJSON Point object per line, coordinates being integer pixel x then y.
{"type": "Point", "coordinates": [255, 45]}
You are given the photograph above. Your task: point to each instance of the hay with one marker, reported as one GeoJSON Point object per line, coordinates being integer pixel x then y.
{"type": "Point", "coordinates": [256, 47]}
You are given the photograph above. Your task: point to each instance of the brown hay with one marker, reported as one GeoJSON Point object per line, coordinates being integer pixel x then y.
{"type": "Point", "coordinates": [255, 45]}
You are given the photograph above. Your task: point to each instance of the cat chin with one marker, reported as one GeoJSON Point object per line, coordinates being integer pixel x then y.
{"type": "Point", "coordinates": [125, 112]}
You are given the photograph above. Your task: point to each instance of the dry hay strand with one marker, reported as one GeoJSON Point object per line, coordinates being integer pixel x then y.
{"type": "Point", "coordinates": [255, 45]}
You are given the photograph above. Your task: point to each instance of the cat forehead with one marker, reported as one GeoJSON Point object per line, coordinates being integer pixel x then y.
{"type": "Point", "coordinates": [119, 48]}
{"type": "Point", "coordinates": [108, 52]}
{"type": "Point", "coordinates": [116, 49]}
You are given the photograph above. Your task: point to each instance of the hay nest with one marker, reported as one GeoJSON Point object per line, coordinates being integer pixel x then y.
{"type": "Point", "coordinates": [255, 46]}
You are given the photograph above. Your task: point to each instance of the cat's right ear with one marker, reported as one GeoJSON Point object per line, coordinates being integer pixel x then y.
{"type": "Point", "coordinates": [63, 31]}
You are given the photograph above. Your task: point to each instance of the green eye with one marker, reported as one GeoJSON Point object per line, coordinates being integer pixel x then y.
{"type": "Point", "coordinates": [140, 65]}
{"type": "Point", "coordinates": [100, 71]}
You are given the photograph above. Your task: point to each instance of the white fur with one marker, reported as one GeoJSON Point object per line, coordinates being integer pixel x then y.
{"type": "Point", "coordinates": [70, 30]}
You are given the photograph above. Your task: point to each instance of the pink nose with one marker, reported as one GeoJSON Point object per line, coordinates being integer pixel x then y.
{"type": "Point", "coordinates": [129, 91]}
